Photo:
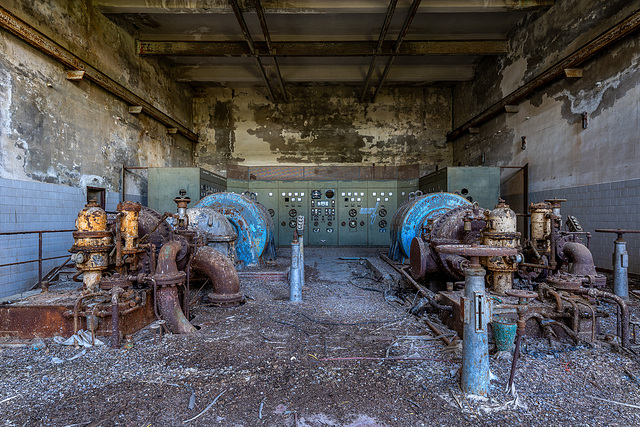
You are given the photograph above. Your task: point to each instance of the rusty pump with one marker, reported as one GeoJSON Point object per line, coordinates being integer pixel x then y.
{"type": "Point", "coordinates": [138, 261]}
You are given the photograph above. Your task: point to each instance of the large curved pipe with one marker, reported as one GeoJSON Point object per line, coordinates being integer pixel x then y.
{"type": "Point", "coordinates": [581, 259]}
{"type": "Point", "coordinates": [168, 277]}
{"type": "Point", "coordinates": [222, 273]}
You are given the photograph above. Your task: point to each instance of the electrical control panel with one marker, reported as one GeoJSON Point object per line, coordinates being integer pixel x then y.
{"type": "Point", "coordinates": [267, 194]}
{"type": "Point", "coordinates": [382, 206]}
{"type": "Point", "coordinates": [323, 208]}
{"type": "Point", "coordinates": [353, 213]}
{"type": "Point", "coordinates": [293, 200]}
{"type": "Point", "coordinates": [164, 184]}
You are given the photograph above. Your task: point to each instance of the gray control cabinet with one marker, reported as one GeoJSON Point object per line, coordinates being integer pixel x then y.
{"type": "Point", "coordinates": [267, 195]}
{"type": "Point", "coordinates": [323, 208]}
{"type": "Point", "coordinates": [382, 198]}
{"type": "Point", "coordinates": [353, 213]}
{"type": "Point", "coordinates": [164, 185]}
{"type": "Point", "coordinates": [477, 184]}
{"type": "Point", "coordinates": [293, 200]}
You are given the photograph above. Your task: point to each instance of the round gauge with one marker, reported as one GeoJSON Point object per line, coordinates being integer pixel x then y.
{"type": "Point", "coordinates": [383, 212]}
{"type": "Point", "coordinates": [316, 194]}
{"type": "Point", "coordinates": [292, 223]}
{"type": "Point", "coordinates": [353, 223]}
{"type": "Point", "coordinates": [329, 194]}
{"type": "Point", "coordinates": [353, 212]}
{"type": "Point", "coordinates": [382, 224]}
{"type": "Point", "coordinates": [272, 213]}
{"type": "Point", "coordinates": [293, 212]}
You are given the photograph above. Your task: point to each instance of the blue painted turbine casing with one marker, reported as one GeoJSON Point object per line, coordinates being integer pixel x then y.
{"type": "Point", "coordinates": [251, 221]}
{"type": "Point", "coordinates": [412, 215]}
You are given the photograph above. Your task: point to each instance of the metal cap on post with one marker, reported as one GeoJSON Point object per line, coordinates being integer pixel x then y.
{"type": "Point", "coordinates": [620, 261]}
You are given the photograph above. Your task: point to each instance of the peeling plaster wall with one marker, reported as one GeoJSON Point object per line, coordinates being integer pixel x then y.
{"type": "Point", "coordinates": [57, 136]}
{"type": "Point", "coordinates": [564, 158]}
{"type": "Point", "coordinates": [75, 133]}
{"type": "Point", "coordinates": [323, 126]}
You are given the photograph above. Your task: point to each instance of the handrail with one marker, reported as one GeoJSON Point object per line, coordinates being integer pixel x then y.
{"type": "Point", "coordinates": [40, 259]}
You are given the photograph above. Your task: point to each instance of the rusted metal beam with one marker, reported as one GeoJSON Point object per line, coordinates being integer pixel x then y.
{"type": "Point", "coordinates": [35, 38]}
{"type": "Point", "coordinates": [403, 32]}
{"type": "Point", "coordinates": [610, 36]}
{"type": "Point", "coordinates": [323, 49]}
{"type": "Point", "coordinates": [250, 44]}
{"type": "Point", "coordinates": [383, 35]}
{"type": "Point", "coordinates": [267, 38]}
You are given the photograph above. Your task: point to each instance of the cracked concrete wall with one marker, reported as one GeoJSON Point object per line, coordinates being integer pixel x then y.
{"type": "Point", "coordinates": [323, 126]}
{"type": "Point", "coordinates": [563, 158]}
{"type": "Point", "coordinates": [75, 133]}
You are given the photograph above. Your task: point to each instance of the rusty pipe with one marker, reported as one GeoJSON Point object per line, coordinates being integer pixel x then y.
{"type": "Point", "coordinates": [115, 318]}
{"type": "Point", "coordinates": [167, 279]}
{"type": "Point", "coordinates": [581, 259]}
{"type": "Point", "coordinates": [623, 318]}
{"type": "Point", "coordinates": [222, 273]}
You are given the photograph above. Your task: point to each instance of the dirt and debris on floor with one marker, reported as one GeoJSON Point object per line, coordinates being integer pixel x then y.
{"type": "Point", "coordinates": [348, 355]}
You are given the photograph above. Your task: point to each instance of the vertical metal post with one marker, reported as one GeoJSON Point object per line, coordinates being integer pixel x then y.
{"type": "Point", "coordinates": [300, 229]}
{"type": "Point", "coordinates": [475, 346]}
{"type": "Point", "coordinates": [295, 287]}
{"type": "Point", "coordinates": [620, 266]}
{"type": "Point", "coordinates": [40, 259]}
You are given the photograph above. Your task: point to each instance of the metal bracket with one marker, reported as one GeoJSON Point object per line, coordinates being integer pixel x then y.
{"type": "Point", "coordinates": [480, 312]}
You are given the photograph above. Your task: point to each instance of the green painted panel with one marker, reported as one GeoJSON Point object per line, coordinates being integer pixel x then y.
{"type": "Point", "coordinates": [322, 221]}
{"type": "Point", "coordinates": [383, 202]}
{"type": "Point", "coordinates": [164, 184]}
{"type": "Point", "coordinates": [293, 200]}
{"type": "Point", "coordinates": [352, 210]}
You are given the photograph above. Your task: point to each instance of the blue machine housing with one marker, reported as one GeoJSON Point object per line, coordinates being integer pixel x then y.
{"type": "Point", "coordinates": [409, 219]}
{"type": "Point", "coordinates": [251, 221]}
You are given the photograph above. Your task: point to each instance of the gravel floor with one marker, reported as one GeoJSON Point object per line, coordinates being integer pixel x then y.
{"type": "Point", "coordinates": [345, 356]}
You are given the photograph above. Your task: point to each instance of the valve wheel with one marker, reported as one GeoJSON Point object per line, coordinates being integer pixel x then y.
{"type": "Point", "coordinates": [293, 212]}
{"type": "Point", "coordinates": [353, 212]}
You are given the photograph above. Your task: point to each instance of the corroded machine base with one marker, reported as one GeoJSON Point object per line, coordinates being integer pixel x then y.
{"type": "Point", "coordinates": [51, 313]}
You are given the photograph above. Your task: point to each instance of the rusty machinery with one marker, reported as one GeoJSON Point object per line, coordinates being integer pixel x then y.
{"type": "Point", "coordinates": [555, 262]}
{"type": "Point", "coordinates": [136, 267]}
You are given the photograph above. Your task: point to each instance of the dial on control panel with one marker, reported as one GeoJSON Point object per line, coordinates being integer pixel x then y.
{"type": "Point", "coordinates": [353, 212]}
{"type": "Point", "coordinates": [293, 212]}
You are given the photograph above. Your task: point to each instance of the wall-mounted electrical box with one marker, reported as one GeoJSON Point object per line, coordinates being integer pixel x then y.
{"type": "Point", "coordinates": [293, 200]}
{"type": "Point", "coordinates": [267, 194]}
{"type": "Point", "coordinates": [164, 185]}
{"type": "Point", "coordinates": [477, 184]}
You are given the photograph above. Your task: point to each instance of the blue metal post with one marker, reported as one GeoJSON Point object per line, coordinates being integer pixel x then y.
{"type": "Point", "coordinates": [295, 287]}
{"type": "Point", "coordinates": [475, 345]}
{"type": "Point", "coordinates": [620, 266]}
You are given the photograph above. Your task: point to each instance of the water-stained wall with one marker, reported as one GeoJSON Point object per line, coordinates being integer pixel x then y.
{"type": "Point", "coordinates": [75, 133]}
{"type": "Point", "coordinates": [323, 126]}
{"type": "Point", "coordinates": [595, 168]}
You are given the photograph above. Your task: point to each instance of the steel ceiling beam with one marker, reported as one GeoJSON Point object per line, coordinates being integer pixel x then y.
{"type": "Point", "coordinates": [323, 49]}
{"type": "Point", "coordinates": [267, 38]}
{"type": "Point", "coordinates": [249, 40]}
{"type": "Point", "coordinates": [610, 36]}
{"type": "Point", "coordinates": [318, 6]}
{"type": "Point", "coordinates": [403, 33]}
{"type": "Point", "coordinates": [44, 44]}
{"type": "Point", "coordinates": [381, 38]}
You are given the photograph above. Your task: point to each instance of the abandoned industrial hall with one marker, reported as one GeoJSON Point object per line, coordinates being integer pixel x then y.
{"type": "Point", "coordinates": [310, 213]}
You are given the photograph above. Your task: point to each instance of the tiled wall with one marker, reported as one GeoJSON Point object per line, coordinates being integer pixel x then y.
{"type": "Point", "coordinates": [610, 205]}
{"type": "Point", "coordinates": [32, 206]}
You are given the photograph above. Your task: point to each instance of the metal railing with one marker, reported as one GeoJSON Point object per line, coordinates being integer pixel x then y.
{"type": "Point", "coordinates": [40, 259]}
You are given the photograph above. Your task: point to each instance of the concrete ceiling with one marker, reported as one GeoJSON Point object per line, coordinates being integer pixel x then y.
{"type": "Point", "coordinates": [320, 41]}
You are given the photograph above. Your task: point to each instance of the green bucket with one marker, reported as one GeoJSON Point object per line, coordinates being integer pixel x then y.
{"type": "Point", "coordinates": [504, 332]}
